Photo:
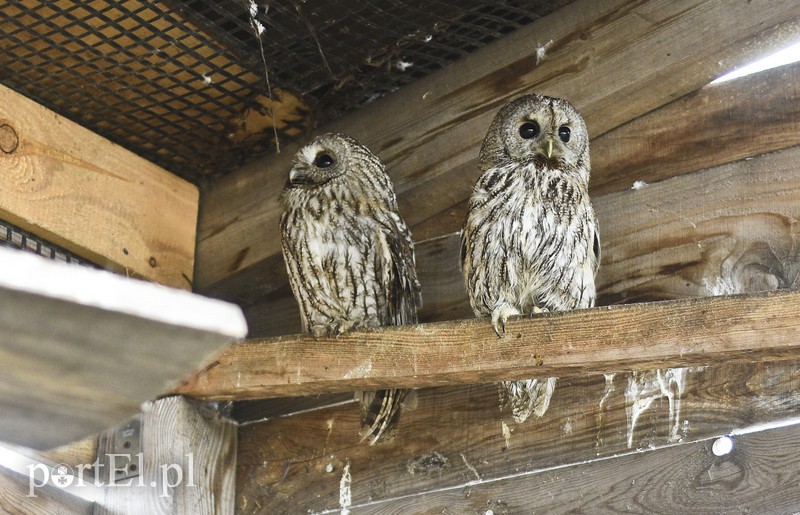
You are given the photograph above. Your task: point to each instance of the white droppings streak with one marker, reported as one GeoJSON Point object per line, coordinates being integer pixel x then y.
{"type": "Point", "coordinates": [360, 371]}
{"type": "Point", "coordinates": [673, 383]}
{"type": "Point", "coordinates": [637, 185]}
{"type": "Point", "coordinates": [506, 433]}
{"type": "Point", "coordinates": [345, 497]}
{"type": "Point", "coordinates": [469, 466]}
{"type": "Point", "coordinates": [541, 51]}
{"type": "Point", "coordinates": [642, 390]}
{"type": "Point", "coordinates": [646, 387]}
{"type": "Point", "coordinates": [608, 390]}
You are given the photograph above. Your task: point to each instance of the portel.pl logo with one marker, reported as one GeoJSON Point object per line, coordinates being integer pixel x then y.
{"type": "Point", "coordinates": [164, 478]}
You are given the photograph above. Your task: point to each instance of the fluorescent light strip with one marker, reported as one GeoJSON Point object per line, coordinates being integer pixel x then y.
{"type": "Point", "coordinates": [786, 56]}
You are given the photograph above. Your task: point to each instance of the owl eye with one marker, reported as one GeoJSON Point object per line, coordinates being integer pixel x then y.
{"type": "Point", "coordinates": [563, 133]}
{"type": "Point", "coordinates": [323, 161]}
{"type": "Point", "coordinates": [529, 130]}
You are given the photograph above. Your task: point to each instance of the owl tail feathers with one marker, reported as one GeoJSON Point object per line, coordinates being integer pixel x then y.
{"type": "Point", "coordinates": [528, 397]}
{"type": "Point", "coordinates": [380, 411]}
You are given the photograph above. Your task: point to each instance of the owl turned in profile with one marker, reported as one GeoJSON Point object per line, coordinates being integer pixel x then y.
{"type": "Point", "coordinates": [530, 241]}
{"type": "Point", "coordinates": [348, 253]}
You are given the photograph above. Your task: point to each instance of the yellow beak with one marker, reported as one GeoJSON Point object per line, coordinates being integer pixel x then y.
{"type": "Point", "coordinates": [549, 147]}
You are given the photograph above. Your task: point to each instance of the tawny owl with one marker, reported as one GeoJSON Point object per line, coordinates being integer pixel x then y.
{"type": "Point", "coordinates": [348, 252]}
{"type": "Point", "coordinates": [530, 241]}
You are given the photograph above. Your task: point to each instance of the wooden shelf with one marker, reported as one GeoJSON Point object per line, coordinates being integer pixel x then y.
{"type": "Point", "coordinates": [81, 349]}
{"type": "Point", "coordinates": [701, 331]}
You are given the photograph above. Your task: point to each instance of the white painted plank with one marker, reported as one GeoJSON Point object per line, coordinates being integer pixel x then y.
{"type": "Point", "coordinates": [81, 349]}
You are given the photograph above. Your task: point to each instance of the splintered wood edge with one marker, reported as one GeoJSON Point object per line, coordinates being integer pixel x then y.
{"type": "Point", "coordinates": [28, 273]}
{"type": "Point", "coordinates": [699, 331]}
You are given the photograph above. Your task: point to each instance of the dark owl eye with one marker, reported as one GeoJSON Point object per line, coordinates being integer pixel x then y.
{"type": "Point", "coordinates": [323, 161]}
{"type": "Point", "coordinates": [529, 130]}
{"type": "Point", "coordinates": [563, 133]}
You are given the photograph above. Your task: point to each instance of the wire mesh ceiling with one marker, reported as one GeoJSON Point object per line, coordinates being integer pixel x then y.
{"type": "Point", "coordinates": [183, 84]}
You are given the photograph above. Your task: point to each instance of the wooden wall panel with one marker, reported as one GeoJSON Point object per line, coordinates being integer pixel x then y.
{"type": "Point", "coordinates": [760, 475]}
{"type": "Point", "coordinates": [458, 438]}
{"type": "Point", "coordinates": [92, 197]}
{"type": "Point", "coordinates": [596, 58]}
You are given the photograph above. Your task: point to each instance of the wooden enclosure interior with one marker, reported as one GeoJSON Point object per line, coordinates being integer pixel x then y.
{"type": "Point", "coordinates": [695, 186]}
{"type": "Point", "coordinates": [697, 191]}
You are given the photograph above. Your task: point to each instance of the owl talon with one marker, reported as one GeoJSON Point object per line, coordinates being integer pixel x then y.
{"type": "Point", "coordinates": [500, 316]}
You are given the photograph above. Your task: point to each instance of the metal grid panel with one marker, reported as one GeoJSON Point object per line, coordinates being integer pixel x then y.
{"type": "Point", "coordinates": [14, 237]}
{"type": "Point", "coordinates": [173, 79]}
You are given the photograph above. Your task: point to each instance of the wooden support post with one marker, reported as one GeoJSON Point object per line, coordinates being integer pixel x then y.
{"type": "Point", "coordinates": [81, 349]}
{"type": "Point", "coordinates": [92, 197]}
{"type": "Point", "coordinates": [188, 464]}
{"type": "Point", "coordinates": [16, 497]}
{"type": "Point", "coordinates": [641, 336]}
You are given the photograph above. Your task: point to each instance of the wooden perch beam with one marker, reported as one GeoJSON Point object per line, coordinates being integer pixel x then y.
{"type": "Point", "coordinates": [80, 191]}
{"type": "Point", "coordinates": [608, 339]}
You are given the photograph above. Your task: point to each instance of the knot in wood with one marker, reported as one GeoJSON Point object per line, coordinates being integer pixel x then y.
{"type": "Point", "coordinates": [9, 141]}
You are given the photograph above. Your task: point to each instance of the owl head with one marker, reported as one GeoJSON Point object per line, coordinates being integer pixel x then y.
{"type": "Point", "coordinates": [537, 128]}
{"type": "Point", "coordinates": [328, 157]}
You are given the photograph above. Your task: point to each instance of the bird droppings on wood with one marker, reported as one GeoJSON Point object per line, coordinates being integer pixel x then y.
{"type": "Point", "coordinates": [469, 466]}
{"type": "Point", "coordinates": [362, 370]}
{"type": "Point", "coordinates": [427, 464]}
{"type": "Point", "coordinates": [651, 385]}
{"type": "Point", "coordinates": [607, 391]}
{"type": "Point", "coordinates": [506, 434]}
{"type": "Point", "coordinates": [345, 495]}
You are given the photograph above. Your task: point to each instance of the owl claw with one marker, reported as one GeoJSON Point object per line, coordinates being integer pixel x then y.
{"type": "Point", "coordinates": [500, 316]}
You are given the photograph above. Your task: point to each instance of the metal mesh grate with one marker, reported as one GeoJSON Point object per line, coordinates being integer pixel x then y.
{"type": "Point", "coordinates": [181, 82]}
{"type": "Point", "coordinates": [11, 236]}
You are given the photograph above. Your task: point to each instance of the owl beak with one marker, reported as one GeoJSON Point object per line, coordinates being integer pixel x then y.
{"type": "Point", "coordinates": [298, 177]}
{"type": "Point", "coordinates": [549, 147]}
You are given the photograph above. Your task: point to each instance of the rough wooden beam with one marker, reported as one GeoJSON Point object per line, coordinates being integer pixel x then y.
{"type": "Point", "coordinates": [81, 349]}
{"type": "Point", "coordinates": [92, 197]}
{"type": "Point", "coordinates": [458, 438]}
{"type": "Point", "coordinates": [430, 132]}
{"type": "Point", "coordinates": [609, 339]}
{"type": "Point", "coordinates": [188, 464]}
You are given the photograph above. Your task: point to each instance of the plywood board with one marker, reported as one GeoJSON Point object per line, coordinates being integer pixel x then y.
{"type": "Point", "coordinates": [81, 349]}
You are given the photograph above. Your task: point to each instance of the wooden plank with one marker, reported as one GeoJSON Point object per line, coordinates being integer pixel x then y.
{"type": "Point", "coordinates": [81, 349]}
{"type": "Point", "coordinates": [188, 464]}
{"type": "Point", "coordinates": [760, 475]}
{"type": "Point", "coordinates": [719, 124]}
{"type": "Point", "coordinates": [294, 464]}
{"type": "Point", "coordinates": [715, 125]}
{"type": "Point", "coordinates": [639, 336]}
{"type": "Point", "coordinates": [92, 197]}
{"type": "Point", "coordinates": [47, 500]}
{"type": "Point", "coordinates": [594, 55]}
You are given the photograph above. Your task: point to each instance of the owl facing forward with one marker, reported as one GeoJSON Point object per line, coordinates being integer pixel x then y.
{"type": "Point", "coordinates": [530, 241]}
{"type": "Point", "coordinates": [348, 253]}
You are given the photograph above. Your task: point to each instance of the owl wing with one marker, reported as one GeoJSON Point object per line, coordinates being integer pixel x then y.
{"type": "Point", "coordinates": [403, 289]}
